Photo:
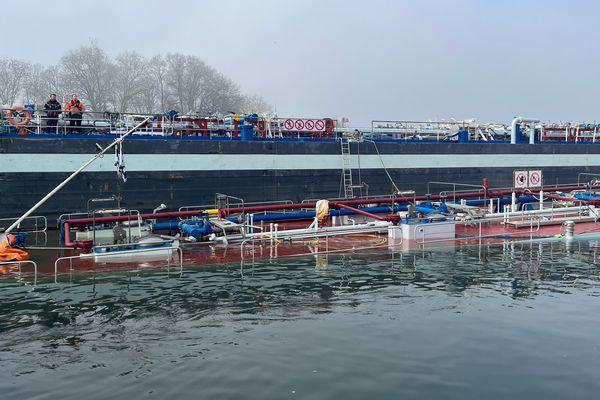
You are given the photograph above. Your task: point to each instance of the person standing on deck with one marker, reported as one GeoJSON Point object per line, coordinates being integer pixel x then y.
{"type": "Point", "coordinates": [74, 110]}
{"type": "Point", "coordinates": [53, 110]}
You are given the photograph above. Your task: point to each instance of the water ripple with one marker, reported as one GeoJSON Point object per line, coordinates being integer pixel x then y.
{"type": "Point", "coordinates": [347, 325]}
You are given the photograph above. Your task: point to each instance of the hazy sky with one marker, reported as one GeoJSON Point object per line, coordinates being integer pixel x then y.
{"type": "Point", "coordinates": [421, 59]}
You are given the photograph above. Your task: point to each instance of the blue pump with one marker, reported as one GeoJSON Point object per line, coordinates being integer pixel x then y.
{"type": "Point", "coordinates": [196, 228]}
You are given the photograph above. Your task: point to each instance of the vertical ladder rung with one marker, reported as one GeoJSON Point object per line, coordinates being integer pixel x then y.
{"type": "Point", "coordinates": [347, 169]}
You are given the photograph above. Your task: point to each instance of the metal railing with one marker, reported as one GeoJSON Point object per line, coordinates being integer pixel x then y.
{"type": "Point", "coordinates": [224, 127]}
{"type": "Point", "coordinates": [535, 222]}
{"type": "Point", "coordinates": [30, 121]}
{"type": "Point", "coordinates": [454, 185]}
{"type": "Point", "coordinates": [99, 256]}
{"type": "Point", "coordinates": [20, 264]}
{"type": "Point", "coordinates": [39, 224]}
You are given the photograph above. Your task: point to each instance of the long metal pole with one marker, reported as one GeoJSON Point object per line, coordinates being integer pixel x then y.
{"type": "Point", "coordinates": [73, 175]}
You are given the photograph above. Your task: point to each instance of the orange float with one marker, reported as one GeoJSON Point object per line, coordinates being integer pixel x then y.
{"type": "Point", "coordinates": [9, 253]}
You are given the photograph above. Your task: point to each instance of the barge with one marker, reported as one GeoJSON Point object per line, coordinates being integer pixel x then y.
{"type": "Point", "coordinates": [182, 159]}
{"type": "Point", "coordinates": [199, 236]}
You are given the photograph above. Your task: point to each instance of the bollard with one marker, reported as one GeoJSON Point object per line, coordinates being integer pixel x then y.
{"type": "Point", "coordinates": [569, 229]}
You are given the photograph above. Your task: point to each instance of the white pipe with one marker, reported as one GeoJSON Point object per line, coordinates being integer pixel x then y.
{"type": "Point", "coordinates": [513, 201]}
{"type": "Point", "coordinates": [550, 211]}
{"type": "Point", "coordinates": [73, 175]}
{"type": "Point", "coordinates": [513, 127]}
{"type": "Point", "coordinates": [374, 226]}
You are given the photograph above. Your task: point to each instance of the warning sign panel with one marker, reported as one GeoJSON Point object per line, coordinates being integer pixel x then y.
{"type": "Point", "coordinates": [527, 179]}
{"type": "Point", "coordinates": [520, 179]}
{"type": "Point", "coordinates": [535, 179]}
{"type": "Point", "coordinates": [289, 124]}
{"type": "Point", "coordinates": [301, 124]}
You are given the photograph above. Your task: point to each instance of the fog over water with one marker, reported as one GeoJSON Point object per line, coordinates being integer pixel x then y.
{"type": "Point", "coordinates": [364, 60]}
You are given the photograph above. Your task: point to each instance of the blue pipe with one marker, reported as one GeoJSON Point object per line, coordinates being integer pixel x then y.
{"type": "Point", "coordinates": [165, 226]}
{"type": "Point", "coordinates": [587, 196]}
{"type": "Point", "coordinates": [311, 214]}
{"type": "Point", "coordinates": [426, 210]}
{"type": "Point", "coordinates": [503, 200]}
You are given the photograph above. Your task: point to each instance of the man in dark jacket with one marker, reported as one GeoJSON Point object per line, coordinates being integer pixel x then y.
{"type": "Point", "coordinates": [53, 110]}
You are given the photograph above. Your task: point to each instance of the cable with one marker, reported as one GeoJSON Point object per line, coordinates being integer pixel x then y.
{"type": "Point", "coordinates": [384, 167]}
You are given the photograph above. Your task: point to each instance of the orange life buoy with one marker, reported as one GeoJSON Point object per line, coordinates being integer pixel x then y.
{"type": "Point", "coordinates": [11, 117]}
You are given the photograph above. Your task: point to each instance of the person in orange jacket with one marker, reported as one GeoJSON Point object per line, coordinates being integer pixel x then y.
{"type": "Point", "coordinates": [74, 110]}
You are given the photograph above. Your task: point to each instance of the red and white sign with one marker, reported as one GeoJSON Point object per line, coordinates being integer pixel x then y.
{"type": "Point", "coordinates": [300, 124]}
{"type": "Point", "coordinates": [289, 124]}
{"type": "Point", "coordinates": [535, 179]}
{"type": "Point", "coordinates": [520, 179]}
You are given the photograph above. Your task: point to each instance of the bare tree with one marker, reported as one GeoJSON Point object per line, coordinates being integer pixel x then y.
{"type": "Point", "coordinates": [158, 70]}
{"type": "Point", "coordinates": [53, 78]}
{"type": "Point", "coordinates": [255, 104]}
{"type": "Point", "coordinates": [196, 87]}
{"type": "Point", "coordinates": [35, 86]}
{"type": "Point", "coordinates": [88, 72]}
{"type": "Point", "coordinates": [13, 74]}
{"type": "Point", "coordinates": [186, 76]}
{"type": "Point", "coordinates": [219, 95]}
{"type": "Point", "coordinates": [146, 102]}
{"type": "Point", "coordinates": [129, 83]}
{"type": "Point", "coordinates": [130, 80]}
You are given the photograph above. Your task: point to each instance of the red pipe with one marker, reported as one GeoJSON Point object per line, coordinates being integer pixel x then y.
{"type": "Point", "coordinates": [391, 218]}
{"type": "Point", "coordinates": [356, 210]}
{"type": "Point", "coordinates": [118, 218]}
{"type": "Point", "coordinates": [404, 199]}
{"type": "Point", "coordinates": [340, 204]}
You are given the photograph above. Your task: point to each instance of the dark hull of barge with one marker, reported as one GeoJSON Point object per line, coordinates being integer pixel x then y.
{"type": "Point", "coordinates": [189, 171]}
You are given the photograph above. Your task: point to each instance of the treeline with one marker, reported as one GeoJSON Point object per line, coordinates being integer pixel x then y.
{"type": "Point", "coordinates": [129, 82]}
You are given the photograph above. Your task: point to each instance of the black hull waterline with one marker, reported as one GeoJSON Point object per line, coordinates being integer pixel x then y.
{"type": "Point", "coordinates": [185, 172]}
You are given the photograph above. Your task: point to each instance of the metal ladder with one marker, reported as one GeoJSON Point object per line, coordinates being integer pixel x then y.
{"type": "Point", "coordinates": [347, 170]}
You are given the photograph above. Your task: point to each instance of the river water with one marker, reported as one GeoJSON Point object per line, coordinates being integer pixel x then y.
{"type": "Point", "coordinates": [494, 322]}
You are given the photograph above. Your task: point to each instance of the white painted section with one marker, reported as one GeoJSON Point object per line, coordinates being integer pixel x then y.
{"type": "Point", "coordinates": [234, 162]}
{"type": "Point", "coordinates": [424, 232]}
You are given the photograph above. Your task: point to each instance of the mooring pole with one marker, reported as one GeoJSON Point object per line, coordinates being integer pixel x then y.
{"type": "Point", "coordinates": [73, 175]}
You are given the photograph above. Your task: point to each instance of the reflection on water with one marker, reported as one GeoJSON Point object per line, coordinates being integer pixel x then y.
{"type": "Point", "coordinates": [148, 326]}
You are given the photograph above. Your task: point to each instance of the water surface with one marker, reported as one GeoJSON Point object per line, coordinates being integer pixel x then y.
{"type": "Point", "coordinates": [515, 320]}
